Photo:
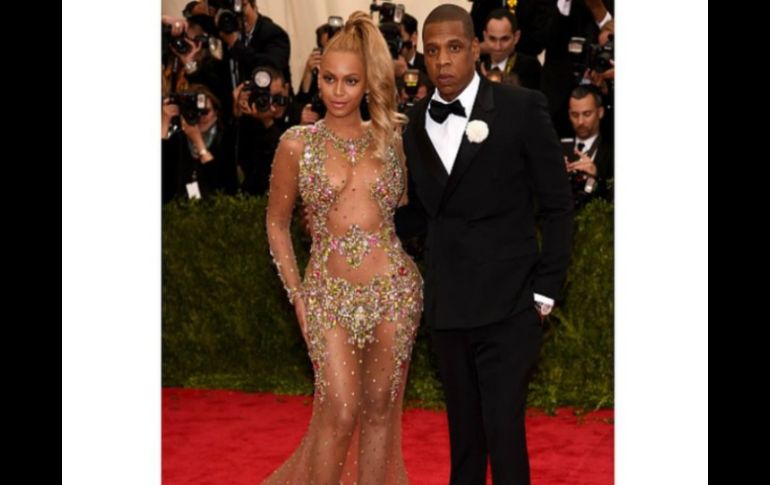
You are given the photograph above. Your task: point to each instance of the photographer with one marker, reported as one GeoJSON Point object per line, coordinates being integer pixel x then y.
{"type": "Point", "coordinates": [412, 87]}
{"type": "Point", "coordinates": [309, 86]}
{"type": "Point", "coordinates": [313, 108]}
{"type": "Point", "coordinates": [409, 36]}
{"type": "Point", "coordinates": [501, 34]}
{"type": "Point", "coordinates": [199, 61]}
{"type": "Point", "coordinates": [574, 37]}
{"type": "Point", "coordinates": [602, 75]}
{"type": "Point", "coordinates": [196, 149]}
{"type": "Point", "coordinates": [589, 156]}
{"type": "Point", "coordinates": [261, 43]}
{"type": "Point", "coordinates": [390, 18]}
{"type": "Point", "coordinates": [266, 110]}
{"type": "Point", "coordinates": [535, 19]}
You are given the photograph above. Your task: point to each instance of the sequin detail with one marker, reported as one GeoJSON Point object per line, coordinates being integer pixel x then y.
{"type": "Point", "coordinates": [331, 300]}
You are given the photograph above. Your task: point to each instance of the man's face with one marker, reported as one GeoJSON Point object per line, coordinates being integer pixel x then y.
{"type": "Point", "coordinates": [450, 57]}
{"type": "Point", "coordinates": [501, 39]}
{"type": "Point", "coordinates": [247, 8]}
{"type": "Point", "coordinates": [585, 116]}
{"type": "Point", "coordinates": [409, 52]}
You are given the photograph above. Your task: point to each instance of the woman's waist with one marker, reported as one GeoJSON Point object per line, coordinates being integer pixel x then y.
{"type": "Point", "coordinates": [357, 236]}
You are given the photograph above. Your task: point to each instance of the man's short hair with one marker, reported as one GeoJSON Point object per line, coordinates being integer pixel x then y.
{"type": "Point", "coordinates": [451, 13]}
{"type": "Point", "coordinates": [581, 92]}
{"type": "Point", "coordinates": [503, 13]}
{"type": "Point", "coordinates": [409, 23]}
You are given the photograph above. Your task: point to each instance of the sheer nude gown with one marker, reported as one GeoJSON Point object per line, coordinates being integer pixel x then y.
{"type": "Point", "coordinates": [363, 299]}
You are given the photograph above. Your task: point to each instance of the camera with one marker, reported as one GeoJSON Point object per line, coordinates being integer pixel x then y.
{"type": "Point", "coordinates": [389, 11]}
{"type": "Point", "coordinates": [229, 15]}
{"type": "Point", "coordinates": [258, 87]}
{"type": "Point", "coordinates": [600, 57]}
{"type": "Point", "coordinates": [411, 84]}
{"type": "Point", "coordinates": [586, 56]}
{"type": "Point", "coordinates": [192, 105]}
{"type": "Point", "coordinates": [584, 186]}
{"type": "Point", "coordinates": [335, 24]}
{"type": "Point", "coordinates": [390, 25]}
{"type": "Point", "coordinates": [176, 43]}
{"type": "Point", "coordinates": [392, 33]}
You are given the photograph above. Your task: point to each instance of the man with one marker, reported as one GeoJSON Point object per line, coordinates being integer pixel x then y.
{"type": "Point", "coordinates": [563, 69]}
{"type": "Point", "coordinates": [263, 129]}
{"type": "Point", "coordinates": [414, 59]}
{"type": "Point", "coordinates": [533, 16]}
{"type": "Point", "coordinates": [263, 44]}
{"type": "Point", "coordinates": [501, 35]}
{"type": "Point", "coordinates": [588, 157]}
{"type": "Point", "coordinates": [479, 154]}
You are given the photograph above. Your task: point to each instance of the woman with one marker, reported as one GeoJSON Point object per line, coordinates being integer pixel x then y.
{"type": "Point", "coordinates": [361, 298]}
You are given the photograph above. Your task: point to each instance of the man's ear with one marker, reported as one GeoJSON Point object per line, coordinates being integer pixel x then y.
{"type": "Point", "coordinates": [516, 37]}
{"type": "Point", "coordinates": [475, 48]}
{"type": "Point", "coordinates": [600, 112]}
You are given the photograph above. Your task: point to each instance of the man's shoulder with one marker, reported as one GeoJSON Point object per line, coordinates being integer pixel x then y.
{"type": "Point", "coordinates": [527, 60]}
{"type": "Point", "coordinates": [514, 96]}
{"type": "Point", "coordinates": [271, 28]}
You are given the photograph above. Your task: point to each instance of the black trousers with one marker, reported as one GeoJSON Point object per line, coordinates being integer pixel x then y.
{"type": "Point", "coordinates": [485, 372]}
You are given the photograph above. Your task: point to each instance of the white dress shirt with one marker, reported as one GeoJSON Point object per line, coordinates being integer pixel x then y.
{"type": "Point", "coordinates": [500, 65]}
{"type": "Point", "coordinates": [447, 136]}
{"type": "Point", "coordinates": [587, 144]}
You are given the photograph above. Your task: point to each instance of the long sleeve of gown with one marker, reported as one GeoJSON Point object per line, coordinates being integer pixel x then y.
{"type": "Point", "coordinates": [280, 207]}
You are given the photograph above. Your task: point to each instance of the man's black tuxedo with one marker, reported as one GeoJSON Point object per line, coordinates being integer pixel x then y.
{"type": "Point", "coordinates": [481, 250]}
{"type": "Point", "coordinates": [484, 266]}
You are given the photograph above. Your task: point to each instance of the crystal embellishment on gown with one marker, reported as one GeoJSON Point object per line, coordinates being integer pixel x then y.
{"type": "Point", "coordinates": [363, 299]}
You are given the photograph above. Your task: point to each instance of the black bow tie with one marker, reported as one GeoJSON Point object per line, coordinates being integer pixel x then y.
{"type": "Point", "coordinates": [440, 111]}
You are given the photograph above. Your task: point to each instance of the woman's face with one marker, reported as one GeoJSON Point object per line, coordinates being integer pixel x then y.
{"type": "Point", "coordinates": [342, 81]}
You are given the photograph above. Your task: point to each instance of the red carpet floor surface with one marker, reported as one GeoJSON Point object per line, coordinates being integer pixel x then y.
{"type": "Point", "coordinates": [229, 437]}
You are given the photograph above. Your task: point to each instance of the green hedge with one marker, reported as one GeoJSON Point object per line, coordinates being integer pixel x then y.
{"type": "Point", "coordinates": [227, 324]}
{"type": "Point", "coordinates": [576, 365]}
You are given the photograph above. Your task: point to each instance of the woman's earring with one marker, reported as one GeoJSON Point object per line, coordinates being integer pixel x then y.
{"type": "Point", "coordinates": [366, 96]}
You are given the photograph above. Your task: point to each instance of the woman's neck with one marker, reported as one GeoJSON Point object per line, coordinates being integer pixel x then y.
{"type": "Point", "coordinates": [350, 126]}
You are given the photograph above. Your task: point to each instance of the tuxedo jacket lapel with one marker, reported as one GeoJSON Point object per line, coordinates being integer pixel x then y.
{"type": "Point", "coordinates": [428, 152]}
{"type": "Point", "coordinates": [430, 164]}
{"type": "Point", "coordinates": [483, 110]}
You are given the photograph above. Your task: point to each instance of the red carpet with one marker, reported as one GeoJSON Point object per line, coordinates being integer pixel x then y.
{"type": "Point", "coordinates": [228, 437]}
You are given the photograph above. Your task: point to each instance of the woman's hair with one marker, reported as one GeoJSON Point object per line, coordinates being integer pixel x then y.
{"type": "Point", "coordinates": [362, 37]}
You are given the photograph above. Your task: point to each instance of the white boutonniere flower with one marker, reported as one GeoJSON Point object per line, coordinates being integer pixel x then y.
{"type": "Point", "coordinates": [477, 131]}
